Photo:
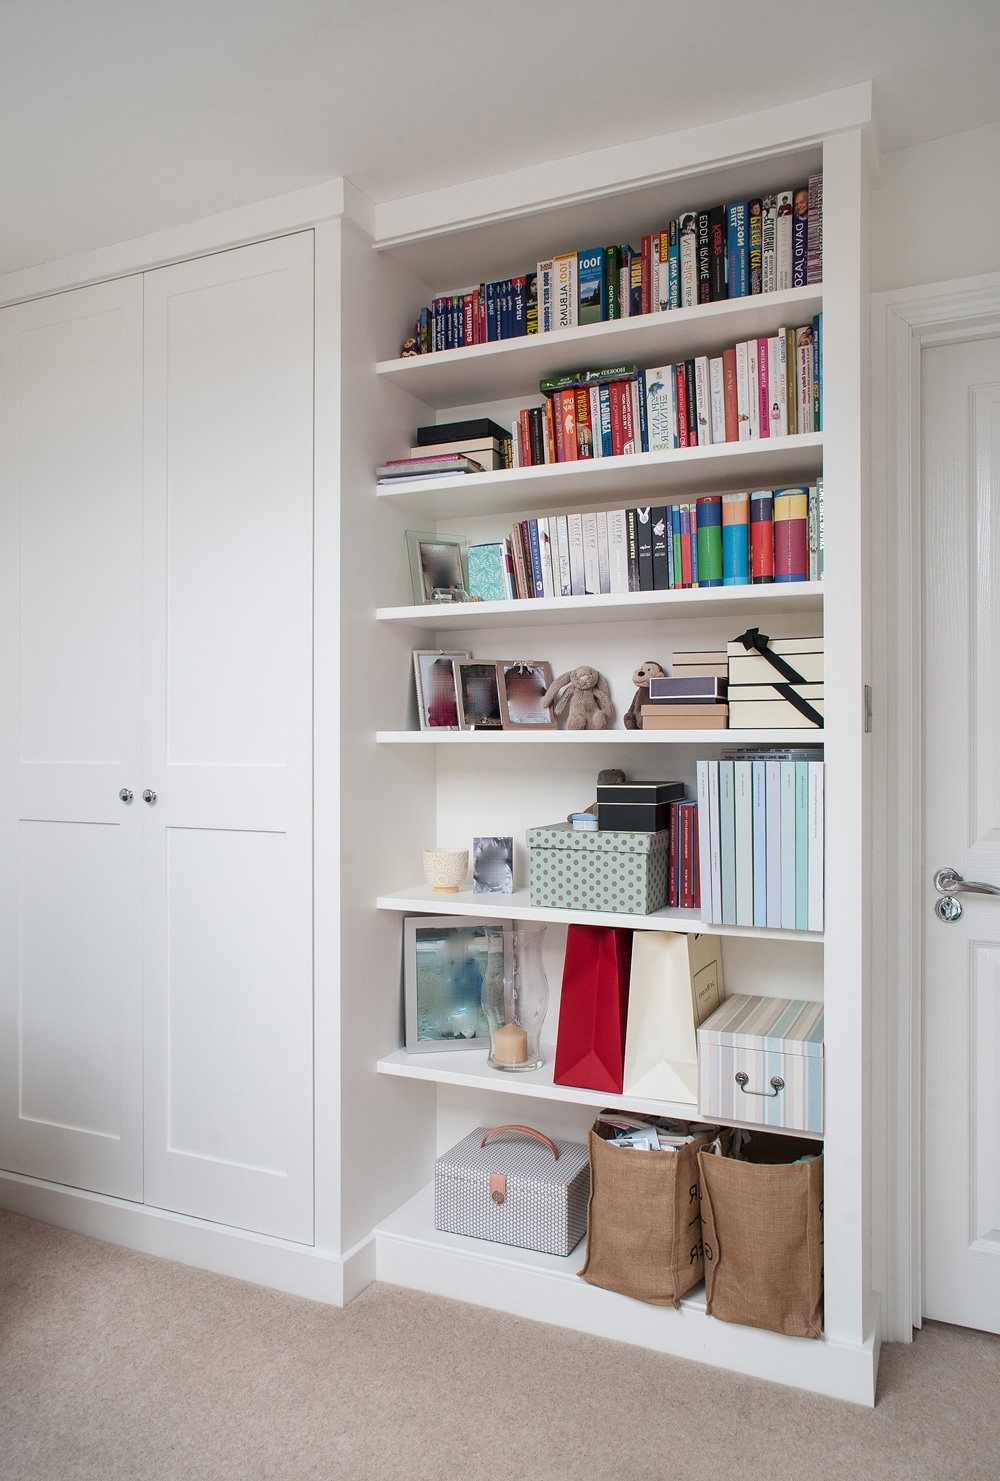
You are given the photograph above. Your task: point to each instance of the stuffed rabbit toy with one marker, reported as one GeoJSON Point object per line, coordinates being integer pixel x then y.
{"type": "Point", "coordinates": [586, 692]}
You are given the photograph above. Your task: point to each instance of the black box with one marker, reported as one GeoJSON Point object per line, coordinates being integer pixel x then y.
{"type": "Point", "coordinates": [688, 691]}
{"type": "Point", "coordinates": [633, 817]}
{"type": "Point", "coordinates": [460, 431]}
{"type": "Point", "coordinates": [644, 792]}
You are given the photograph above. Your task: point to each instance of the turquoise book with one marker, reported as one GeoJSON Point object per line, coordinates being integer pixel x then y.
{"type": "Point", "coordinates": [727, 841]}
{"type": "Point", "coordinates": [486, 572]}
{"type": "Point", "coordinates": [788, 845]}
{"type": "Point", "coordinates": [802, 845]}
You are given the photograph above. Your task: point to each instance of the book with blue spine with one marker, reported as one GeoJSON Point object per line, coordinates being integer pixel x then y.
{"type": "Point", "coordinates": [519, 306]}
{"type": "Point", "coordinates": [735, 540]}
{"type": "Point", "coordinates": [727, 841]}
{"type": "Point", "coordinates": [536, 558]}
{"type": "Point", "coordinates": [743, 794]}
{"type": "Point", "coordinates": [772, 786]}
{"type": "Point", "coordinates": [759, 780]}
{"type": "Point", "coordinates": [738, 246]}
{"type": "Point", "coordinates": [787, 845]}
{"type": "Point", "coordinates": [491, 312]}
{"type": "Point", "coordinates": [590, 286]}
{"type": "Point", "coordinates": [708, 510]}
{"type": "Point", "coordinates": [802, 845]}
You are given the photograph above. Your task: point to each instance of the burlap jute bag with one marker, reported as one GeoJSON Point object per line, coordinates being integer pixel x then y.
{"type": "Point", "coordinates": [763, 1235]}
{"type": "Point", "coordinates": [644, 1221]}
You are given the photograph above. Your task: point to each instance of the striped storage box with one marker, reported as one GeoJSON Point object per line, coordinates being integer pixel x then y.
{"type": "Point", "coordinates": [761, 1060]}
{"type": "Point", "coordinates": [514, 1190]}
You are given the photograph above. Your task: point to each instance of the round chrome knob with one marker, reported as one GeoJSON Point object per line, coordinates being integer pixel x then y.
{"type": "Point", "coordinates": [149, 795]}
{"type": "Point", "coordinates": [125, 794]}
{"type": "Point", "coordinates": [948, 909]}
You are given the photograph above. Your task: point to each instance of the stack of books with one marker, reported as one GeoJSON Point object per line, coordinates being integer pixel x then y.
{"type": "Point", "coordinates": [760, 838]}
{"type": "Point", "coordinates": [452, 449]}
{"type": "Point", "coordinates": [694, 697]}
{"type": "Point", "coordinates": [763, 245]}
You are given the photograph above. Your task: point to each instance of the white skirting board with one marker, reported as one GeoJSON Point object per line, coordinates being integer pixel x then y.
{"type": "Point", "coordinates": [298, 1269]}
{"type": "Point", "coordinates": [410, 1252]}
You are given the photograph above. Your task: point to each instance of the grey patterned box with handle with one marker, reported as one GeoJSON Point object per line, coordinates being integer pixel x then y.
{"type": "Point", "coordinates": [621, 873]}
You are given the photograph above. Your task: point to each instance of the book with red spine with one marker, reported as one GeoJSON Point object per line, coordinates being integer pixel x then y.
{"type": "Point", "coordinates": [730, 397]}
{"type": "Point", "coordinates": [763, 391]}
{"type": "Point", "coordinates": [557, 425]}
{"type": "Point", "coordinates": [673, 850]}
{"type": "Point", "coordinates": [524, 438]}
{"type": "Point", "coordinates": [584, 426]}
{"type": "Point", "coordinates": [791, 542]}
{"type": "Point", "coordinates": [687, 577]}
{"type": "Point", "coordinates": [685, 886]}
{"type": "Point", "coordinates": [566, 406]}
{"type": "Point", "coordinates": [646, 250]}
{"type": "Point", "coordinates": [680, 383]}
{"type": "Point", "coordinates": [468, 319]}
{"type": "Point", "coordinates": [761, 537]}
{"type": "Point", "coordinates": [481, 340]}
{"type": "Point", "coordinates": [549, 431]}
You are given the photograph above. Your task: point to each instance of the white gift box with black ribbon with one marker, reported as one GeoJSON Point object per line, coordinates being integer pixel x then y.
{"type": "Point", "coordinates": [775, 683]}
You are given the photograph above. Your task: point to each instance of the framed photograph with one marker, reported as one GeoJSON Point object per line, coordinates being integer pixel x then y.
{"type": "Point", "coordinates": [493, 866]}
{"type": "Point", "coordinates": [478, 695]}
{"type": "Point", "coordinates": [439, 567]}
{"type": "Point", "coordinates": [522, 686]}
{"type": "Point", "coordinates": [437, 688]}
{"type": "Point", "coordinates": [444, 966]}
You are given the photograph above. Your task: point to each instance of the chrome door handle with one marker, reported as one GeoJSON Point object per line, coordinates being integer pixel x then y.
{"type": "Point", "coordinates": [126, 794]}
{"type": "Point", "coordinates": [950, 882]}
{"type": "Point", "coordinates": [149, 796]}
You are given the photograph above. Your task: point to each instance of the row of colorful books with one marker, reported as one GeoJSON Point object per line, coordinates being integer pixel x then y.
{"type": "Point", "coordinates": [760, 827]}
{"type": "Point", "coordinates": [745, 248]}
{"type": "Point", "coordinates": [737, 539]}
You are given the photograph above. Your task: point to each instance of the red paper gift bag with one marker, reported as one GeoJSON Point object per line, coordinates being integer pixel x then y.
{"type": "Point", "coordinates": [590, 1048]}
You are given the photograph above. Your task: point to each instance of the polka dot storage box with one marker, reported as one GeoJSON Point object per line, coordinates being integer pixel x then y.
{"type": "Point", "coordinates": [621, 873]}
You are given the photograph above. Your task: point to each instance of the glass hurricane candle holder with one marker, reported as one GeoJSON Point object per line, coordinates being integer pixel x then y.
{"type": "Point", "coordinates": [515, 996]}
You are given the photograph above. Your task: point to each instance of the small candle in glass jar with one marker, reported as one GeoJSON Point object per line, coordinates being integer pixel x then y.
{"type": "Point", "coordinates": [510, 1044]}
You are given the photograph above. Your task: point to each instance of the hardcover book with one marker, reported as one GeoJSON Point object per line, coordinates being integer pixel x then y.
{"type": "Point", "coordinates": [590, 286]}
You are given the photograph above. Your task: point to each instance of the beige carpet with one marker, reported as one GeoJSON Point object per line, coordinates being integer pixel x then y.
{"type": "Point", "coordinates": [115, 1365]}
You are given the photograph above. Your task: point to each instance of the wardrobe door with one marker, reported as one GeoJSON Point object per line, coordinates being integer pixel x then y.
{"type": "Point", "coordinates": [227, 723]}
{"type": "Point", "coordinates": [70, 654]}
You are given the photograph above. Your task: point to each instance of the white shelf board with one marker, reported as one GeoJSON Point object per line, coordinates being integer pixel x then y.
{"type": "Point", "coordinates": [468, 1069]}
{"type": "Point", "coordinates": [410, 1252]}
{"type": "Point", "coordinates": [598, 737]}
{"type": "Point", "coordinates": [767, 462]}
{"type": "Point", "coordinates": [495, 371]}
{"type": "Point", "coordinates": [423, 900]}
{"type": "Point", "coordinates": [633, 606]}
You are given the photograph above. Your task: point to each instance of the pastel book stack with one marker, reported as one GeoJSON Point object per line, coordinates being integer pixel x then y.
{"type": "Point", "coordinates": [621, 873]}
{"type": "Point", "coordinates": [593, 1008]}
{"type": "Point", "coordinates": [761, 1060]}
{"type": "Point", "coordinates": [786, 696]}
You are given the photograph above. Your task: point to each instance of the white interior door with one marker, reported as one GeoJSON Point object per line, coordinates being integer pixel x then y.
{"type": "Point", "coordinates": [961, 542]}
{"type": "Point", "coordinates": [70, 625]}
{"type": "Point", "coordinates": [227, 737]}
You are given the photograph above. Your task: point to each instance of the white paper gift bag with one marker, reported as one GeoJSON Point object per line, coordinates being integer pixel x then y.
{"type": "Point", "coordinates": [676, 983]}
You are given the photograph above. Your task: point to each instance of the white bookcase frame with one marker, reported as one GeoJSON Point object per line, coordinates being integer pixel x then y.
{"type": "Point", "coordinates": [434, 789]}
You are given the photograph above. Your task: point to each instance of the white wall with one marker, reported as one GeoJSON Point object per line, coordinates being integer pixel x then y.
{"type": "Point", "coordinates": [936, 211]}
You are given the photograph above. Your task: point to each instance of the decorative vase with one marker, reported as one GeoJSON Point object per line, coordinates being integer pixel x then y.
{"type": "Point", "coordinates": [445, 869]}
{"type": "Point", "coordinates": [515, 996]}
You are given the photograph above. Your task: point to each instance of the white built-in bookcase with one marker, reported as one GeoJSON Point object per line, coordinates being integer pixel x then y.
{"type": "Point", "coordinates": [404, 791]}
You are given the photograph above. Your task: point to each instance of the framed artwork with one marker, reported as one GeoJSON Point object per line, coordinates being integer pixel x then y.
{"type": "Point", "coordinates": [439, 567]}
{"type": "Point", "coordinates": [492, 866]}
{"type": "Point", "coordinates": [478, 695]}
{"type": "Point", "coordinates": [522, 686]}
{"type": "Point", "coordinates": [444, 966]}
{"type": "Point", "coordinates": [437, 688]}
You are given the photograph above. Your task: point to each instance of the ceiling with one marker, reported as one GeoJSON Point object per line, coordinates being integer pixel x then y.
{"type": "Point", "coordinates": [118, 117]}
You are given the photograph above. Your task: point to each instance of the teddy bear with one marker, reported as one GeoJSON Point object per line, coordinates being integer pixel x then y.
{"type": "Point", "coordinates": [587, 694]}
{"type": "Point", "coordinates": [646, 671]}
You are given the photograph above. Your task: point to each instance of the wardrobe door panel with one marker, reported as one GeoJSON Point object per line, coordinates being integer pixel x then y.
{"type": "Point", "coordinates": [227, 731]}
{"type": "Point", "coordinates": [70, 687]}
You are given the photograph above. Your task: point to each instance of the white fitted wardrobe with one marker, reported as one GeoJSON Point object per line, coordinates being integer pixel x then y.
{"type": "Point", "coordinates": [156, 465]}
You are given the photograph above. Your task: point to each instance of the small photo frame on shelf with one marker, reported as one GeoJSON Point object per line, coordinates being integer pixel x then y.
{"type": "Point", "coordinates": [478, 695]}
{"type": "Point", "coordinates": [522, 685]}
{"type": "Point", "coordinates": [439, 568]}
{"type": "Point", "coordinates": [444, 966]}
{"type": "Point", "coordinates": [437, 688]}
{"type": "Point", "coordinates": [493, 866]}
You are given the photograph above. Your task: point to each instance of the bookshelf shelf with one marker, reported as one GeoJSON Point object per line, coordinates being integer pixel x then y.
{"type": "Point", "coordinates": [765, 463]}
{"type": "Point", "coordinates": [599, 738]}
{"type": "Point", "coordinates": [515, 366]}
{"type": "Point", "coordinates": [633, 606]}
{"type": "Point", "coordinates": [422, 900]}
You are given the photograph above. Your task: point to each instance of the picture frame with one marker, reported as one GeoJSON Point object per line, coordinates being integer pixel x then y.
{"type": "Point", "coordinates": [478, 695]}
{"type": "Point", "coordinates": [493, 866]}
{"type": "Point", "coordinates": [437, 688]}
{"type": "Point", "coordinates": [521, 684]}
{"type": "Point", "coordinates": [444, 964]}
{"type": "Point", "coordinates": [439, 568]}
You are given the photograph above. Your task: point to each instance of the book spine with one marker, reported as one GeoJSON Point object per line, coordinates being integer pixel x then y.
{"type": "Point", "coordinates": [743, 795]}
{"type": "Point", "coordinates": [730, 396]}
{"type": "Point", "coordinates": [759, 844]}
{"type": "Point", "coordinates": [761, 537]}
{"type": "Point", "coordinates": [754, 249]}
{"type": "Point", "coordinates": [566, 401]}
{"type": "Point", "coordinates": [680, 400]}
{"type": "Point", "coordinates": [717, 382]}
{"type": "Point", "coordinates": [820, 564]}
{"type": "Point", "coordinates": [617, 552]}
{"type": "Point", "coordinates": [737, 260]}
{"type": "Point", "coordinates": [534, 547]}
{"type": "Point", "coordinates": [659, 409]}
{"type": "Point", "coordinates": [714, 843]}
{"type": "Point", "coordinates": [624, 279]}
{"type": "Point", "coordinates": [787, 845]}
{"type": "Point", "coordinates": [607, 440]}
{"type": "Point", "coordinates": [577, 575]}
{"type": "Point", "coordinates": [591, 557]}
{"type": "Point", "coordinates": [673, 857]}
{"type": "Point", "coordinates": [686, 891]}
{"type": "Point", "coordinates": [550, 431]}
{"type": "Point", "coordinates": [776, 398]}
{"type": "Point", "coordinates": [769, 244]}
{"type": "Point", "coordinates": [816, 827]}
{"type": "Point", "coordinates": [668, 535]}
{"type": "Point", "coordinates": [753, 389]}
{"type": "Point", "coordinates": [555, 402]}
{"type": "Point", "coordinates": [676, 548]}
{"type": "Point", "coordinates": [742, 359]}
{"type": "Point", "coordinates": [519, 306]}
{"type": "Point", "coordinates": [515, 440]}
{"type": "Point", "coordinates": [509, 586]}
{"type": "Point", "coordinates": [717, 247]}
{"type": "Point", "coordinates": [531, 303]}
{"type": "Point", "coordinates": [804, 378]}
{"type": "Point", "coordinates": [800, 237]}
{"type": "Point", "coordinates": [644, 541]}
{"type": "Point", "coordinates": [596, 439]}
{"type": "Point", "coordinates": [687, 575]}
{"type": "Point", "coordinates": [783, 243]}
{"type": "Point", "coordinates": [693, 521]}
{"type": "Point", "coordinates": [710, 540]}
{"type": "Point", "coordinates": [689, 260]}
{"type": "Point", "coordinates": [802, 845]}
{"type": "Point", "coordinates": [612, 284]}
{"type": "Point", "coordinates": [674, 266]}
{"type": "Point", "coordinates": [704, 811]}
{"type": "Point", "coordinates": [818, 373]}
{"type": "Point", "coordinates": [773, 808]}
{"type": "Point", "coordinates": [691, 397]}
{"type": "Point", "coordinates": [632, 546]}
{"type": "Point", "coordinates": [635, 284]}
{"type": "Point", "coordinates": [704, 260]}
{"type": "Point", "coordinates": [646, 259]}
{"type": "Point", "coordinates": [663, 303]}
{"type": "Point", "coordinates": [603, 553]}
{"type": "Point", "coordinates": [517, 551]}
{"type": "Point", "coordinates": [590, 286]}
{"type": "Point", "coordinates": [564, 267]}
{"type": "Point", "coordinates": [562, 547]}
{"type": "Point", "coordinates": [735, 540]}
{"type": "Point", "coordinates": [639, 411]}
{"type": "Point", "coordinates": [536, 430]}
{"type": "Point", "coordinates": [468, 319]}
{"type": "Point", "coordinates": [812, 532]}
{"type": "Point", "coordinates": [788, 381]}
{"type": "Point", "coordinates": [584, 431]}
{"type": "Point", "coordinates": [661, 570]}
{"type": "Point", "coordinates": [814, 237]}
{"type": "Point", "coordinates": [703, 401]}
{"type": "Point", "coordinates": [507, 309]}
{"type": "Point", "coordinates": [624, 397]}
{"type": "Point", "coordinates": [545, 554]}
{"type": "Point", "coordinates": [791, 543]}
{"type": "Point", "coordinates": [763, 390]}
{"type": "Point", "coordinates": [546, 316]}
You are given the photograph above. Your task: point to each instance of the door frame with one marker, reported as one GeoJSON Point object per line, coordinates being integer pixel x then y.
{"type": "Point", "coordinates": [904, 323]}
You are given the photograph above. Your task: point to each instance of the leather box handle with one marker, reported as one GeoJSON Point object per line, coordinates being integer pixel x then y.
{"type": "Point", "coordinates": [528, 1131]}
